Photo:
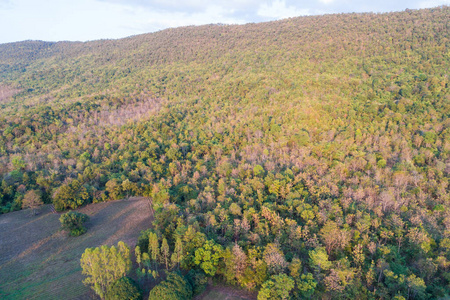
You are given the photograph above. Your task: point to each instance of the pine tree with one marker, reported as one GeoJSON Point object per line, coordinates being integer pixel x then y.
{"type": "Point", "coordinates": [137, 252]}
{"type": "Point", "coordinates": [177, 255]}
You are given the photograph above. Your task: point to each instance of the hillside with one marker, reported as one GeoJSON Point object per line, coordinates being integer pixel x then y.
{"type": "Point", "coordinates": [320, 141]}
{"type": "Point", "coordinates": [38, 261]}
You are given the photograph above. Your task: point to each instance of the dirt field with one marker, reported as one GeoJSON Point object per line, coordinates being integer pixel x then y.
{"type": "Point", "coordinates": [38, 261]}
{"type": "Point", "coordinates": [222, 292]}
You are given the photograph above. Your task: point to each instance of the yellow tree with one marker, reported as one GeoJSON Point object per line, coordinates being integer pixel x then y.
{"type": "Point", "coordinates": [104, 265]}
{"type": "Point", "coordinates": [32, 200]}
{"type": "Point", "coordinates": [165, 253]}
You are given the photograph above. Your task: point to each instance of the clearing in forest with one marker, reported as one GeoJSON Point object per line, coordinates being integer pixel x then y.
{"type": "Point", "coordinates": [38, 261]}
{"type": "Point", "coordinates": [223, 292]}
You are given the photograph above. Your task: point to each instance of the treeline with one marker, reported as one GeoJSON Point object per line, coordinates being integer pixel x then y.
{"type": "Point", "coordinates": [308, 155]}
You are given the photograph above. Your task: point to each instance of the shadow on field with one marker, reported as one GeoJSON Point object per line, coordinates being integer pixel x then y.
{"type": "Point", "coordinates": [38, 261]}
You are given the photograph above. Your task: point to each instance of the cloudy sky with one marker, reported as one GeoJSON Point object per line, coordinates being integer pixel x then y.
{"type": "Point", "coordinates": [81, 20]}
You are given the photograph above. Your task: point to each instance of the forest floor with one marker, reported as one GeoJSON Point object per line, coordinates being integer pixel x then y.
{"type": "Point", "coordinates": [223, 292]}
{"type": "Point", "coordinates": [39, 261]}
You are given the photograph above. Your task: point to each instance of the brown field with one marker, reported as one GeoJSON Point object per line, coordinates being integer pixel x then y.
{"type": "Point", "coordinates": [222, 292]}
{"type": "Point", "coordinates": [38, 261]}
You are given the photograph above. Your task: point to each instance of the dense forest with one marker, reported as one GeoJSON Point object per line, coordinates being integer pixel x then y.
{"type": "Point", "coordinates": [306, 158]}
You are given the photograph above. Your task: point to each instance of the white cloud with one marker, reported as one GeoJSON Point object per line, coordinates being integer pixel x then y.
{"type": "Point", "coordinates": [189, 5]}
{"type": "Point", "coordinates": [148, 20]}
{"type": "Point", "coordinates": [54, 20]}
{"type": "Point", "coordinates": [432, 3]}
{"type": "Point", "coordinates": [278, 10]}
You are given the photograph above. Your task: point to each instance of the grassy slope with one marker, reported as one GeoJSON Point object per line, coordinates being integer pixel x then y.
{"type": "Point", "coordinates": [37, 261]}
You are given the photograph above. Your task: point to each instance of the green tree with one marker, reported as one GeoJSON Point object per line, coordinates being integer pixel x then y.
{"type": "Point", "coordinates": [416, 287]}
{"type": "Point", "coordinates": [319, 259]}
{"type": "Point", "coordinates": [114, 189]}
{"type": "Point", "coordinates": [153, 247]}
{"type": "Point", "coordinates": [163, 292]}
{"type": "Point", "coordinates": [177, 255]}
{"type": "Point", "coordinates": [18, 163]}
{"type": "Point", "coordinates": [306, 285]}
{"type": "Point", "coordinates": [165, 251]}
{"type": "Point", "coordinates": [198, 281]}
{"type": "Point", "coordinates": [129, 187]}
{"type": "Point", "coordinates": [124, 288]}
{"type": "Point", "coordinates": [73, 222]}
{"type": "Point", "coordinates": [277, 287]}
{"type": "Point", "coordinates": [71, 195]}
{"type": "Point", "coordinates": [104, 265]}
{"type": "Point", "coordinates": [208, 257]}
{"type": "Point", "coordinates": [175, 287]}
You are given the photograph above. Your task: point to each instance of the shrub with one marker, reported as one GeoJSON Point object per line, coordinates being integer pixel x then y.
{"type": "Point", "coordinates": [73, 222]}
{"type": "Point", "coordinates": [175, 287]}
{"type": "Point", "coordinates": [124, 288]}
{"type": "Point", "coordinates": [198, 281]}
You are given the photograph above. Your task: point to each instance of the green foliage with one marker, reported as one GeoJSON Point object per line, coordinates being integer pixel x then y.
{"type": "Point", "coordinates": [175, 287]}
{"type": "Point", "coordinates": [105, 265]}
{"type": "Point", "coordinates": [258, 170]}
{"type": "Point", "coordinates": [18, 162]}
{"type": "Point", "coordinates": [163, 292]}
{"type": "Point", "coordinates": [307, 285]}
{"type": "Point", "coordinates": [278, 287]}
{"type": "Point", "coordinates": [208, 257]}
{"type": "Point", "coordinates": [198, 281]}
{"type": "Point", "coordinates": [416, 287]}
{"type": "Point", "coordinates": [71, 195]}
{"type": "Point", "coordinates": [124, 288]}
{"type": "Point", "coordinates": [381, 163]}
{"type": "Point", "coordinates": [73, 222]}
{"type": "Point", "coordinates": [319, 259]}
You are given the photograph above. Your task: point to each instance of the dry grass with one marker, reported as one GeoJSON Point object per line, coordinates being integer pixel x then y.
{"type": "Point", "coordinates": [38, 261]}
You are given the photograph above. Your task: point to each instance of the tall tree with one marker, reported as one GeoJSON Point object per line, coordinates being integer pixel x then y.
{"type": "Point", "coordinates": [153, 247]}
{"type": "Point", "coordinates": [165, 253]}
{"type": "Point", "coordinates": [177, 255]}
{"type": "Point", "coordinates": [104, 265]}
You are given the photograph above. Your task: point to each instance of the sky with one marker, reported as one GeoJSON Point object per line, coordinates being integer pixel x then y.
{"type": "Point", "coordinates": [82, 20]}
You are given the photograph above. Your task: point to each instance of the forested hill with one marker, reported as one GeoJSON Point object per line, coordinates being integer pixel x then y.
{"type": "Point", "coordinates": [312, 153]}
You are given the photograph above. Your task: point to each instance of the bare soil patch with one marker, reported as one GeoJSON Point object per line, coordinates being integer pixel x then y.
{"type": "Point", "coordinates": [224, 292]}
